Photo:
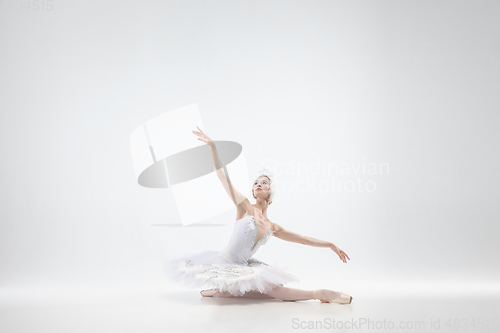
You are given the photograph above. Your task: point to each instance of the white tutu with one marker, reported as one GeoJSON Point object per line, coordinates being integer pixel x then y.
{"type": "Point", "coordinates": [232, 269]}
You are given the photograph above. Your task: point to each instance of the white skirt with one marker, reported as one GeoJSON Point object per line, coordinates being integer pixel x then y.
{"type": "Point", "coordinates": [211, 270]}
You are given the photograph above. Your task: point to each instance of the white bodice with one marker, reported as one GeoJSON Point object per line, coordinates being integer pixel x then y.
{"type": "Point", "coordinates": [243, 242]}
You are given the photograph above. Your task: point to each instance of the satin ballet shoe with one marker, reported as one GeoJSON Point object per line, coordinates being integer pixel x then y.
{"type": "Point", "coordinates": [208, 293]}
{"type": "Point", "coordinates": [341, 299]}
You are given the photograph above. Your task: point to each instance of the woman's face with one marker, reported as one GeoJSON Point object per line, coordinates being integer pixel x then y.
{"type": "Point", "coordinates": [261, 187]}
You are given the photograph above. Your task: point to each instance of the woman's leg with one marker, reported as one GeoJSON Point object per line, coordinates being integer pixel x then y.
{"type": "Point", "coordinates": [279, 292]}
{"type": "Point", "coordinates": [290, 294]}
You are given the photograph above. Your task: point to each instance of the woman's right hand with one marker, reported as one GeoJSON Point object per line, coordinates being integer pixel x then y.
{"type": "Point", "coordinates": [203, 137]}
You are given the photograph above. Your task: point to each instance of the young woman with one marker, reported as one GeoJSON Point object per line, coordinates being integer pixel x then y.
{"type": "Point", "coordinates": [233, 272]}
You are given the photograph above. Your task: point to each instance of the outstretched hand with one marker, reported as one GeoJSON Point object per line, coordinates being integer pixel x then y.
{"type": "Point", "coordinates": [202, 136]}
{"type": "Point", "coordinates": [342, 255]}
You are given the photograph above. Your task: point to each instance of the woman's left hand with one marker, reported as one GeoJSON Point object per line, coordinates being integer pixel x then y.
{"type": "Point", "coordinates": [342, 255]}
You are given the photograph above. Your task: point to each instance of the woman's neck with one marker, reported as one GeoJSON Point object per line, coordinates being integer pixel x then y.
{"type": "Point", "coordinates": [261, 208]}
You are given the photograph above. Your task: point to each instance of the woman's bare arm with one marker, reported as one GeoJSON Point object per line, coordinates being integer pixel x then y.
{"type": "Point", "coordinates": [238, 199]}
{"type": "Point", "coordinates": [235, 195]}
{"type": "Point", "coordinates": [290, 236]}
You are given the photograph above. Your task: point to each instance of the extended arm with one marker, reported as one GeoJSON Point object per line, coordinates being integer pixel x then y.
{"type": "Point", "coordinates": [290, 236]}
{"type": "Point", "coordinates": [238, 199]}
{"type": "Point", "coordinates": [221, 172]}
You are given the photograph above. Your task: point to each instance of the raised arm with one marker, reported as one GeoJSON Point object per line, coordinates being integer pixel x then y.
{"type": "Point", "coordinates": [290, 236]}
{"type": "Point", "coordinates": [236, 197]}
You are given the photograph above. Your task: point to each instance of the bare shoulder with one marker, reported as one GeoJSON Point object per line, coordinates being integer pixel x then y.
{"type": "Point", "coordinates": [245, 206]}
{"type": "Point", "coordinates": [240, 212]}
{"type": "Point", "coordinates": [287, 235]}
{"type": "Point", "coordinates": [279, 230]}
{"type": "Point", "coordinates": [243, 210]}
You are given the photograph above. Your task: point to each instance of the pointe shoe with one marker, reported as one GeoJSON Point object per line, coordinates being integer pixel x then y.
{"type": "Point", "coordinates": [208, 293]}
{"type": "Point", "coordinates": [342, 299]}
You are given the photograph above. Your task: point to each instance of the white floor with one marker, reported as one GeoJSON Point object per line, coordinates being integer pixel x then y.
{"type": "Point", "coordinates": [420, 308]}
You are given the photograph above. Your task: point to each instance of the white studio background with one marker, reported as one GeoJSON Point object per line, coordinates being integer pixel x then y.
{"type": "Point", "coordinates": [408, 90]}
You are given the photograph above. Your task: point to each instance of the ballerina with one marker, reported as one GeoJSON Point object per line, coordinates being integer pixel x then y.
{"type": "Point", "coordinates": [233, 272]}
